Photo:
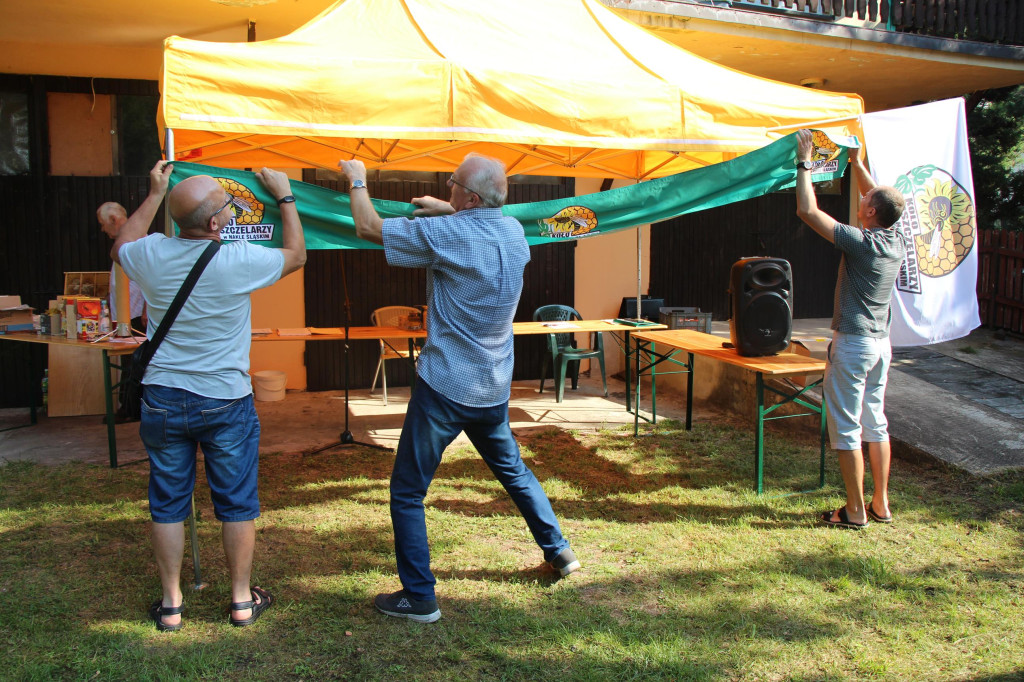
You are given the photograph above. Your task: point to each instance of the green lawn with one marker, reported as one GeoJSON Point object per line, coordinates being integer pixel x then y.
{"type": "Point", "coordinates": [687, 574]}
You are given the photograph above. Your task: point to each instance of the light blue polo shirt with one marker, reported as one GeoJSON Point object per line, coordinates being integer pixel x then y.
{"type": "Point", "coordinates": [474, 261]}
{"type": "Point", "coordinates": [206, 350]}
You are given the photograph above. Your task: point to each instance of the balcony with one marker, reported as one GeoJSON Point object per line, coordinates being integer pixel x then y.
{"type": "Point", "coordinates": [987, 21]}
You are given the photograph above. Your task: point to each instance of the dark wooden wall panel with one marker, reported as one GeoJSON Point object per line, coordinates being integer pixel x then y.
{"type": "Point", "coordinates": [691, 256]}
{"type": "Point", "coordinates": [372, 284]}
{"type": "Point", "coordinates": [48, 227]}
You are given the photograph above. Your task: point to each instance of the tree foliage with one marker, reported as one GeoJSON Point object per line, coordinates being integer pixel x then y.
{"type": "Point", "coordinates": [995, 127]}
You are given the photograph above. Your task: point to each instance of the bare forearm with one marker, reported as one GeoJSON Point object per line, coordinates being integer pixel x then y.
{"type": "Point", "coordinates": [293, 241]}
{"type": "Point", "coordinates": [369, 225]}
{"type": "Point", "coordinates": [865, 183]}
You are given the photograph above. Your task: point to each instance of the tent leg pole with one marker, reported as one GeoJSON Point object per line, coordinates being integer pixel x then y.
{"type": "Point", "coordinates": [169, 156]}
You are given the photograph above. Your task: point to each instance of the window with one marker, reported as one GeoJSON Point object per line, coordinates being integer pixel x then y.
{"type": "Point", "coordinates": [14, 155]}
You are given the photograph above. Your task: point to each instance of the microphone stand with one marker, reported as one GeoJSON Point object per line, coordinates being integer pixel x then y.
{"type": "Point", "coordinates": [346, 437]}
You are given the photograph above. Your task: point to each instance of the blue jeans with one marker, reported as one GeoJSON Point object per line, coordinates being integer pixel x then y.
{"type": "Point", "coordinates": [432, 422]}
{"type": "Point", "coordinates": [854, 386]}
{"type": "Point", "coordinates": [174, 423]}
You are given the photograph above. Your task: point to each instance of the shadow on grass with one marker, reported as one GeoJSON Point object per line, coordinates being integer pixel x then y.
{"type": "Point", "coordinates": [77, 576]}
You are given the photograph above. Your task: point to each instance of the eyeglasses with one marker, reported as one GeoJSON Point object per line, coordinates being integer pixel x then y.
{"type": "Point", "coordinates": [453, 181]}
{"type": "Point", "coordinates": [226, 204]}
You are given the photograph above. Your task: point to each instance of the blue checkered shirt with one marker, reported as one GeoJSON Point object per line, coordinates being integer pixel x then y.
{"type": "Point", "coordinates": [474, 261]}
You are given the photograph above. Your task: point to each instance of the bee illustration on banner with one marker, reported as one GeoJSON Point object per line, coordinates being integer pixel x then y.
{"type": "Point", "coordinates": [570, 222]}
{"type": "Point", "coordinates": [939, 225]}
{"type": "Point", "coordinates": [249, 213]}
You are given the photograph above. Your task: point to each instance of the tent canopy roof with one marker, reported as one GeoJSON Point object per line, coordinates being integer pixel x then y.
{"type": "Point", "coordinates": [552, 87]}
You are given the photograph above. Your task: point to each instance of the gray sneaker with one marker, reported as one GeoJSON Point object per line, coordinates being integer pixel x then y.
{"type": "Point", "coordinates": [400, 605]}
{"type": "Point", "coordinates": [566, 562]}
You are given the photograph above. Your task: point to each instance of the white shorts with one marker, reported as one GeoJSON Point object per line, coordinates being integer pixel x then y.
{"type": "Point", "coordinates": [854, 386]}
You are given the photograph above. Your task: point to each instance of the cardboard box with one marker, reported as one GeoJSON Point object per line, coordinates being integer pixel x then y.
{"type": "Point", "coordinates": [4, 328]}
{"type": "Point", "coordinates": [811, 346]}
{"type": "Point", "coordinates": [87, 317]}
{"type": "Point", "coordinates": [12, 312]}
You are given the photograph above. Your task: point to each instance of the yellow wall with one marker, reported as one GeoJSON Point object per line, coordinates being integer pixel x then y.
{"type": "Point", "coordinates": [606, 271]}
{"type": "Point", "coordinates": [89, 61]}
{"type": "Point", "coordinates": [282, 305]}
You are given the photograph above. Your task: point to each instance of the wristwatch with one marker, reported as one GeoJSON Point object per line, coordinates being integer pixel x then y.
{"type": "Point", "coordinates": [288, 199]}
{"type": "Point", "coordinates": [358, 184]}
{"type": "Point", "coordinates": [806, 165]}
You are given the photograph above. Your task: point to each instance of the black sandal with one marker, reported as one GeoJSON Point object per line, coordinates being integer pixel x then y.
{"type": "Point", "coordinates": [257, 608]}
{"type": "Point", "coordinates": [157, 611]}
{"type": "Point", "coordinates": [843, 522]}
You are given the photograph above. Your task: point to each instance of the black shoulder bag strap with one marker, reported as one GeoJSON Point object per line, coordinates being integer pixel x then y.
{"type": "Point", "coordinates": [179, 300]}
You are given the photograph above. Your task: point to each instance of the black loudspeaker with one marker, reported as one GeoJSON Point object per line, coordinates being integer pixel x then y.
{"type": "Point", "coordinates": [762, 305]}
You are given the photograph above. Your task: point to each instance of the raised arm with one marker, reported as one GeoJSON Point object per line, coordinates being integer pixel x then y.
{"type": "Point", "coordinates": [369, 226]}
{"type": "Point", "coordinates": [293, 240]}
{"type": "Point", "coordinates": [865, 183]}
{"type": "Point", "coordinates": [806, 202]}
{"type": "Point", "coordinates": [138, 223]}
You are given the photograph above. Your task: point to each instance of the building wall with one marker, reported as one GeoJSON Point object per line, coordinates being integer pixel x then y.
{"type": "Point", "coordinates": [606, 270]}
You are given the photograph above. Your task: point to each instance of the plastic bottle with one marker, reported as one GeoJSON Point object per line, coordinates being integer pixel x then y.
{"type": "Point", "coordinates": [104, 317]}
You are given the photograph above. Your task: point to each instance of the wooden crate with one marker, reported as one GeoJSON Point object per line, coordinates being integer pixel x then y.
{"type": "Point", "coordinates": [93, 284]}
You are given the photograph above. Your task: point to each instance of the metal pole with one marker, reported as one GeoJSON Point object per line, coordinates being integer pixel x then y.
{"type": "Point", "coordinates": [639, 270]}
{"type": "Point", "coordinates": [168, 155]}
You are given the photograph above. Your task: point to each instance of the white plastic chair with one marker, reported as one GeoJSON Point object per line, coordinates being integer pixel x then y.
{"type": "Point", "coordinates": [391, 348]}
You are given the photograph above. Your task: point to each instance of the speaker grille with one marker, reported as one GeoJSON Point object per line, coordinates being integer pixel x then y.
{"type": "Point", "coordinates": [762, 312]}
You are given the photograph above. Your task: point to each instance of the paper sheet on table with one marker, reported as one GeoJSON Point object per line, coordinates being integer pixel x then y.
{"type": "Point", "coordinates": [262, 330]}
{"type": "Point", "coordinates": [327, 330]}
{"type": "Point", "coordinates": [562, 325]}
{"type": "Point", "coordinates": [297, 331]}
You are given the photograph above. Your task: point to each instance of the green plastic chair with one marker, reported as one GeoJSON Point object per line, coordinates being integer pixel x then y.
{"type": "Point", "coordinates": [562, 349]}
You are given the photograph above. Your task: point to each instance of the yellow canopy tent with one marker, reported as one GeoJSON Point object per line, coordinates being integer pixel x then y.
{"type": "Point", "coordinates": [551, 87]}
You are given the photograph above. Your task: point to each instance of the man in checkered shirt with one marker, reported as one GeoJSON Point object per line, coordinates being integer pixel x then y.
{"type": "Point", "coordinates": [859, 355]}
{"type": "Point", "coordinates": [474, 257]}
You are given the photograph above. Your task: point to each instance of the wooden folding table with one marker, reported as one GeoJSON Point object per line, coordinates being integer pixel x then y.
{"type": "Point", "coordinates": [714, 348]}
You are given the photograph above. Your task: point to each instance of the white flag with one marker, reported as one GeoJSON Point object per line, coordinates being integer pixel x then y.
{"type": "Point", "coordinates": [922, 151]}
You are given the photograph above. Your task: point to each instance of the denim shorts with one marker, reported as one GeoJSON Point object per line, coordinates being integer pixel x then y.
{"type": "Point", "coordinates": [174, 423]}
{"type": "Point", "coordinates": [855, 377]}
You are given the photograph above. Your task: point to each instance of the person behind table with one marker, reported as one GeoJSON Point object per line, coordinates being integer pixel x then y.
{"type": "Point", "coordinates": [860, 354]}
{"type": "Point", "coordinates": [474, 258]}
{"type": "Point", "coordinates": [197, 389]}
{"type": "Point", "coordinates": [112, 216]}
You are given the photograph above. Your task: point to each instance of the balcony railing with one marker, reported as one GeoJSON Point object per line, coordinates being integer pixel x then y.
{"type": "Point", "coordinates": [990, 21]}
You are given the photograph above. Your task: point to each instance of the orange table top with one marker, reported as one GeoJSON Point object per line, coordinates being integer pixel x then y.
{"type": "Point", "coordinates": [578, 326]}
{"type": "Point", "coordinates": [707, 345]}
{"type": "Point", "coordinates": [371, 333]}
{"type": "Point", "coordinates": [117, 346]}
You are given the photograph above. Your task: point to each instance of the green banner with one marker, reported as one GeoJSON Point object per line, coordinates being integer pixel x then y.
{"type": "Point", "coordinates": [327, 217]}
